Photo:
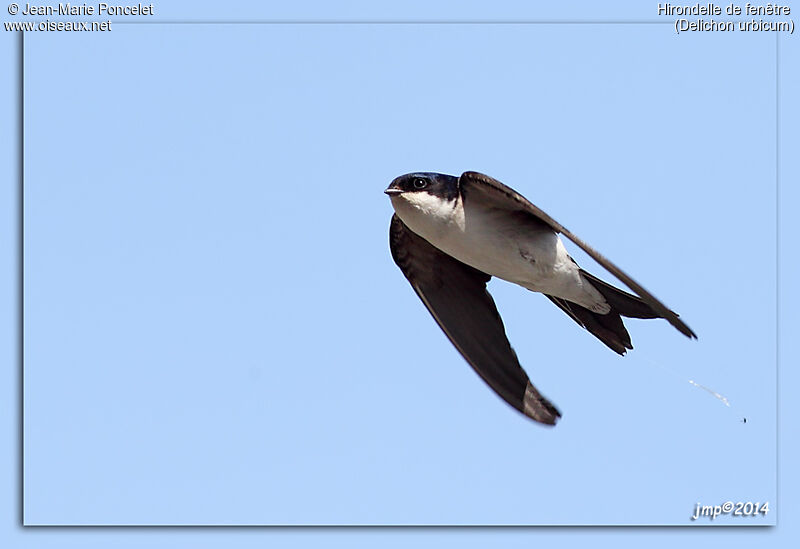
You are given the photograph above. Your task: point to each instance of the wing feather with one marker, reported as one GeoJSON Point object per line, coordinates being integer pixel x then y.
{"type": "Point", "coordinates": [505, 197]}
{"type": "Point", "coordinates": [456, 296]}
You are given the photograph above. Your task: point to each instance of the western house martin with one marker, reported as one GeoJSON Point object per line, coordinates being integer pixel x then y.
{"type": "Point", "coordinates": [450, 235]}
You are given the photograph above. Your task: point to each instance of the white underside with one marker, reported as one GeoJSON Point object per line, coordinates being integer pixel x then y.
{"type": "Point", "coordinates": [494, 242]}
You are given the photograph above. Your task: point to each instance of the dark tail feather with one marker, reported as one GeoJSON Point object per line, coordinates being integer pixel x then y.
{"type": "Point", "coordinates": [622, 302]}
{"type": "Point", "coordinates": [608, 328]}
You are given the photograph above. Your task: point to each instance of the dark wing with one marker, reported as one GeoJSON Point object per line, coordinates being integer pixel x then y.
{"type": "Point", "coordinates": [503, 197]}
{"type": "Point", "coordinates": [455, 294]}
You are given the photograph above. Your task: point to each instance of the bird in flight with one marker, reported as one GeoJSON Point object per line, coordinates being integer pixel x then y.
{"type": "Point", "coordinates": [449, 235]}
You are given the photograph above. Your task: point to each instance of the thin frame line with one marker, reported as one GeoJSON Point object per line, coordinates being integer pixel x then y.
{"type": "Point", "coordinates": [777, 268]}
{"type": "Point", "coordinates": [21, 274]}
{"type": "Point", "coordinates": [21, 255]}
{"type": "Point", "coordinates": [388, 22]}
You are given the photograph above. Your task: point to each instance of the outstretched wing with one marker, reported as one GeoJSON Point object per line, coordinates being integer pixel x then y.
{"type": "Point", "coordinates": [491, 191]}
{"type": "Point", "coordinates": [455, 294]}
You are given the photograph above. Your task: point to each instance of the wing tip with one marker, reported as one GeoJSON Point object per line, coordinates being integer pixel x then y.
{"type": "Point", "coordinates": [682, 327]}
{"type": "Point", "coordinates": [538, 408]}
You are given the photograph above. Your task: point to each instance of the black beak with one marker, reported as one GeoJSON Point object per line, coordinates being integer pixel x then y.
{"type": "Point", "coordinates": [391, 191]}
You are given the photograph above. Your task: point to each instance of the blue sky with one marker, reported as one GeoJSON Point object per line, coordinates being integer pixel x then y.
{"type": "Point", "coordinates": [215, 332]}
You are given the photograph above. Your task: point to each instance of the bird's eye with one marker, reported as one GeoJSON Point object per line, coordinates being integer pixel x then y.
{"type": "Point", "coordinates": [420, 183]}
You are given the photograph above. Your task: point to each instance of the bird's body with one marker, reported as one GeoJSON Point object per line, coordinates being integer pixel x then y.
{"type": "Point", "coordinates": [450, 235]}
{"type": "Point", "coordinates": [488, 239]}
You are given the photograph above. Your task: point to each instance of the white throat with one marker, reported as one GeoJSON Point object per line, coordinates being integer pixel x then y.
{"type": "Point", "coordinates": [429, 216]}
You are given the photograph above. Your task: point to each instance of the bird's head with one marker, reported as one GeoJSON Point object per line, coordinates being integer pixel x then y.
{"type": "Point", "coordinates": [439, 185]}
